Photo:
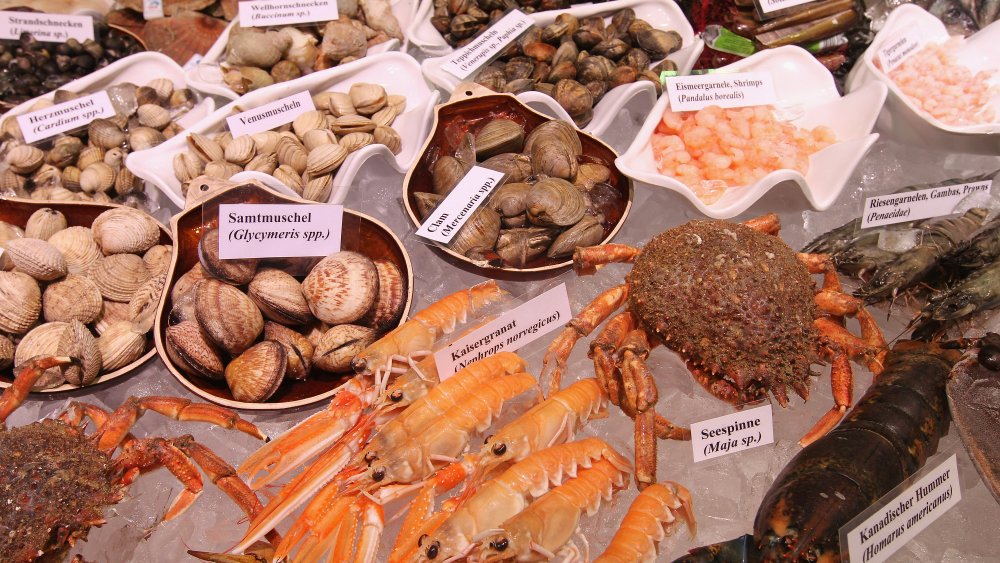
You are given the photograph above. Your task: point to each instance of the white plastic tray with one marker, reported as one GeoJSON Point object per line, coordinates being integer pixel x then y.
{"type": "Point", "coordinates": [636, 98]}
{"type": "Point", "coordinates": [901, 118]}
{"type": "Point", "coordinates": [397, 72]}
{"type": "Point", "coordinates": [206, 76]}
{"type": "Point", "coordinates": [804, 86]}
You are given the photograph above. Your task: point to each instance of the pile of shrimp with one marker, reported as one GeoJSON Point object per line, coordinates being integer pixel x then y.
{"type": "Point", "coordinates": [948, 91]}
{"type": "Point", "coordinates": [714, 149]}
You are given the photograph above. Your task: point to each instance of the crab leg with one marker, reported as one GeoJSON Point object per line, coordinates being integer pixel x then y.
{"type": "Point", "coordinates": [581, 325]}
{"type": "Point", "coordinates": [150, 453]}
{"type": "Point", "coordinates": [603, 348]}
{"type": "Point", "coordinates": [586, 259]}
{"type": "Point", "coordinates": [110, 435]}
{"type": "Point", "coordinates": [767, 224]}
{"type": "Point", "coordinates": [28, 374]}
{"type": "Point", "coordinates": [842, 384]}
{"type": "Point", "coordinates": [75, 412]}
{"type": "Point", "coordinates": [309, 437]}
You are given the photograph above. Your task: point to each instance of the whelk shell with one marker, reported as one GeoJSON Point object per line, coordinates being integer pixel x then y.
{"type": "Point", "coordinates": [189, 349]}
{"type": "Point", "coordinates": [236, 272]}
{"type": "Point", "coordinates": [120, 345]}
{"type": "Point", "coordinates": [279, 297]}
{"type": "Point", "coordinates": [340, 344]}
{"type": "Point", "coordinates": [72, 298]}
{"type": "Point", "coordinates": [119, 276]}
{"type": "Point", "coordinates": [44, 223]}
{"type": "Point", "coordinates": [257, 373]}
{"type": "Point", "coordinates": [124, 229]}
{"type": "Point", "coordinates": [341, 287]}
{"type": "Point", "coordinates": [20, 302]}
{"type": "Point", "coordinates": [37, 258]}
{"type": "Point", "coordinates": [390, 300]}
{"type": "Point", "coordinates": [228, 317]}
{"type": "Point", "coordinates": [298, 349]}
{"type": "Point", "coordinates": [78, 247]}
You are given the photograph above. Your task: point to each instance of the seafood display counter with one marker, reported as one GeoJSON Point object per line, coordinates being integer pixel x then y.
{"type": "Point", "coordinates": [735, 290]}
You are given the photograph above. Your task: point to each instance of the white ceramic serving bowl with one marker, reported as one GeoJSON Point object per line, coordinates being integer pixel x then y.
{"type": "Point", "coordinates": [635, 99]}
{"type": "Point", "coordinates": [397, 72]}
{"type": "Point", "coordinates": [805, 89]}
{"type": "Point", "coordinates": [139, 69]}
{"type": "Point", "coordinates": [905, 121]}
{"type": "Point", "coordinates": [206, 76]}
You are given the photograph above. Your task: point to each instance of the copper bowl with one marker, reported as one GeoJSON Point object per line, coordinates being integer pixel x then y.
{"type": "Point", "coordinates": [78, 214]}
{"type": "Point", "coordinates": [468, 111]}
{"type": "Point", "coordinates": [360, 233]}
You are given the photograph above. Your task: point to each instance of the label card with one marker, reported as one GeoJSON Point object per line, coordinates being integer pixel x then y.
{"type": "Point", "coordinates": [269, 116]}
{"type": "Point", "coordinates": [735, 90]}
{"type": "Point", "coordinates": [921, 204]}
{"type": "Point", "coordinates": [897, 49]}
{"type": "Point", "coordinates": [732, 433]}
{"type": "Point", "coordinates": [903, 516]}
{"type": "Point", "coordinates": [59, 118]}
{"type": "Point", "coordinates": [152, 9]}
{"type": "Point", "coordinates": [768, 6]}
{"type": "Point", "coordinates": [274, 230]}
{"type": "Point", "coordinates": [54, 28]}
{"type": "Point", "coordinates": [487, 45]}
{"type": "Point", "coordinates": [262, 13]}
{"type": "Point", "coordinates": [518, 327]}
{"type": "Point", "coordinates": [448, 217]}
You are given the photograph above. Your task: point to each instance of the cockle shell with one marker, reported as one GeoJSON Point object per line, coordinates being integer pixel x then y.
{"type": "Point", "coordinates": [279, 297]}
{"type": "Point", "coordinates": [152, 115]}
{"type": "Point", "coordinates": [105, 133]}
{"type": "Point", "coordinates": [367, 98]}
{"type": "Point", "coordinates": [25, 159]}
{"type": "Point", "coordinates": [98, 177]}
{"type": "Point", "coordinates": [123, 229]}
{"type": "Point", "coordinates": [257, 373]}
{"type": "Point", "coordinates": [189, 349]}
{"type": "Point", "coordinates": [354, 141]}
{"type": "Point", "coordinates": [157, 259]}
{"type": "Point", "coordinates": [236, 272]}
{"type": "Point", "coordinates": [119, 276]}
{"type": "Point", "coordinates": [37, 258]}
{"type": "Point", "coordinates": [64, 154]}
{"type": "Point", "coordinates": [142, 306]}
{"type": "Point", "coordinates": [77, 342]}
{"type": "Point", "coordinates": [341, 287]}
{"type": "Point", "coordinates": [12, 183]}
{"type": "Point", "coordinates": [499, 136]}
{"type": "Point", "coordinates": [389, 137]}
{"type": "Point", "coordinates": [298, 349]}
{"type": "Point", "coordinates": [390, 300]}
{"type": "Point", "coordinates": [46, 175]}
{"type": "Point", "coordinates": [120, 345]}
{"type": "Point", "coordinates": [90, 155]}
{"type": "Point", "coordinates": [142, 138]}
{"type": "Point", "coordinates": [72, 298]}
{"type": "Point", "coordinates": [228, 317]}
{"type": "Point", "coordinates": [20, 302]}
{"type": "Point", "coordinates": [111, 313]}
{"type": "Point", "coordinates": [340, 344]}
{"type": "Point", "coordinates": [43, 340]}
{"type": "Point", "coordinates": [325, 159]}
{"type": "Point", "coordinates": [78, 247]}
{"type": "Point", "coordinates": [126, 182]}
{"type": "Point", "coordinates": [164, 87]}
{"type": "Point", "coordinates": [555, 202]}
{"type": "Point", "coordinates": [44, 223]}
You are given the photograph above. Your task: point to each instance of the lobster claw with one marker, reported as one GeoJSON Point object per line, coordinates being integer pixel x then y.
{"type": "Point", "coordinates": [737, 550]}
{"type": "Point", "coordinates": [973, 388]}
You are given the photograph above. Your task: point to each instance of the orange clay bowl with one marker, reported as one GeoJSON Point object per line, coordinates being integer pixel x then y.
{"type": "Point", "coordinates": [360, 233]}
{"type": "Point", "coordinates": [468, 111]}
{"type": "Point", "coordinates": [78, 214]}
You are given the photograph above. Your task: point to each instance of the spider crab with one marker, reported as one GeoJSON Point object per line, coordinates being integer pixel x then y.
{"type": "Point", "coordinates": [55, 481]}
{"type": "Point", "coordinates": [737, 304]}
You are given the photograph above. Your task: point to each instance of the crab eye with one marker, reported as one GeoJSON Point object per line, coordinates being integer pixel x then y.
{"type": "Point", "coordinates": [500, 545]}
{"type": "Point", "coordinates": [378, 474]}
{"type": "Point", "coordinates": [396, 396]}
{"type": "Point", "coordinates": [500, 449]}
{"type": "Point", "coordinates": [432, 550]}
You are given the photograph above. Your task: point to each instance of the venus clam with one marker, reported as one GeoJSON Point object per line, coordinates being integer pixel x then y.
{"type": "Point", "coordinates": [125, 230]}
{"type": "Point", "coordinates": [119, 276]}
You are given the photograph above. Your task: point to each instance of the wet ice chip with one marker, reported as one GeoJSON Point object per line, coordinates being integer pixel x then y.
{"type": "Point", "coordinates": [899, 240]}
{"type": "Point", "coordinates": [123, 98]}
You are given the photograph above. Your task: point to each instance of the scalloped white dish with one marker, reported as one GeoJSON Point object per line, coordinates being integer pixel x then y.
{"type": "Point", "coordinates": [206, 76]}
{"type": "Point", "coordinates": [901, 116]}
{"type": "Point", "coordinates": [805, 87]}
{"type": "Point", "coordinates": [636, 98]}
{"type": "Point", "coordinates": [397, 72]}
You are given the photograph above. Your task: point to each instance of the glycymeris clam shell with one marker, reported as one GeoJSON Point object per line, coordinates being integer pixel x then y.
{"type": "Point", "coordinates": [228, 317]}
{"type": "Point", "coordinates": [341, 287]}
{"type": "Point", "coordinates": [124, 229]}
{"type": "Point", "coordinates": [390, 300]}
{"type": "Point", "coordinates": [298, 349]}
{"type": "Point", "coordinates": [20, 302]}
{"type": "Point", "coordinates": [189, 349]}
{"type": "Point", "coordinates": [72, 298]}
{"type": "Point", "coordinates": [256, 374]}
{"type": "Point", "coordinates": [340, 344]}
{"type": "Point", "coordinates": [279, 297]}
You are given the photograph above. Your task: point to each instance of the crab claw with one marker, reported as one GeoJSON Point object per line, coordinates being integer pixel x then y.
{"type": "Point", "coordinates": [28, 374]}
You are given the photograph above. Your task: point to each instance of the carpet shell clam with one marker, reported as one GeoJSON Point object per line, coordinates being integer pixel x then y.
{"type": "Point", "coordinates": [73, 299]}
{"type": "Point", "coordinates": [306, 155]}
{"type": "Point", "coordinates": [278, 293]}
{"type": "Point", "coordinates": [556, 177]}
